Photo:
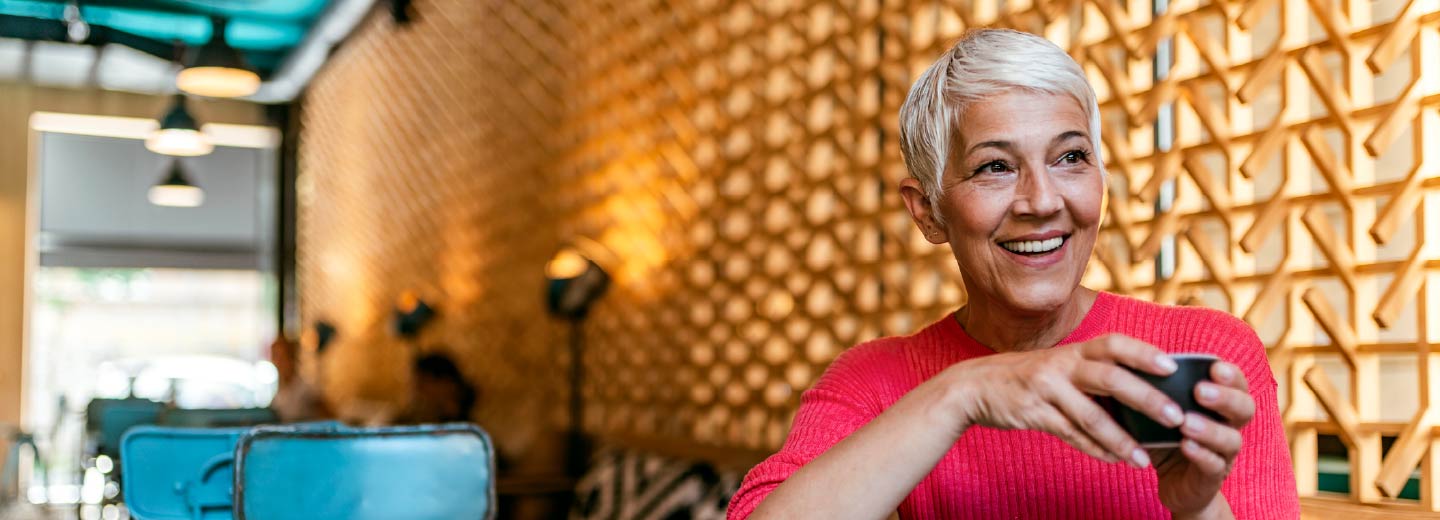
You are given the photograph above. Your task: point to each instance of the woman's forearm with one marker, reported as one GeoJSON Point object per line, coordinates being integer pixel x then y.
{"type": "Point", "coordinates": [869, 473]}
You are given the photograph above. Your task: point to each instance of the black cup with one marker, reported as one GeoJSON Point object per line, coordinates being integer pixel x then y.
{"type": "Point", "coordinates": [1180, 387]}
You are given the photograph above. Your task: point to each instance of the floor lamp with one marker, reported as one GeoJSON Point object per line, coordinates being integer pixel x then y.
{"type": "Point", "coordinates": [575, 283]}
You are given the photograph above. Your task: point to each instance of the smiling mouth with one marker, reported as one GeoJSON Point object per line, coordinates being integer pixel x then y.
{"type": "Point", "coordinates": [1034, 247]}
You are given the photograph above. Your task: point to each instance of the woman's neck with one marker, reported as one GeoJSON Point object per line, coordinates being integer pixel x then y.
{"type": "Point", "coordinates": [1006, 330]}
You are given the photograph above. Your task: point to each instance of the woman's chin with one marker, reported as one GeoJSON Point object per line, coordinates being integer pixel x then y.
{"type": "Point", "coordinates": [1038, 298]}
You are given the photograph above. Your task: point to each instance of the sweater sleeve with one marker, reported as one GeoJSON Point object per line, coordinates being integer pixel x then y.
{"type": "Point", "coordinates": [1262, 483]}
{"type": "Point", "coordinates": [829, 411]}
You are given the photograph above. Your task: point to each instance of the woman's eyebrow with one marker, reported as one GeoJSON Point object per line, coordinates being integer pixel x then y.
{"type": "Point", "coordinates": [1067, 136]}
{"type": "Point", "coordinates": [1004, 145]}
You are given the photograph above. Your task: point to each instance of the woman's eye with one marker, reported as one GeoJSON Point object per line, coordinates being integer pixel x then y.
{"type": "Point", "coordinates": [993, 167]}
{"type": "Point", "coordinates": [1073, 157]}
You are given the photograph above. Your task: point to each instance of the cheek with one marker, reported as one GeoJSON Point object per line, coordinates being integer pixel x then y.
{"type": "Point", "coordinates": [1085, 200]}
{"type": "Point", "coordinates": [974, 214]}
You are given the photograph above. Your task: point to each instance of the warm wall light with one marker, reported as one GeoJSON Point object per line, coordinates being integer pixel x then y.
{"type": "Point", "coordinates": [567, 264]}
{"type": "Point", "coordinates": [217, 70]}
{"type": "Point", "coordinates": [176, 190]}
{"type": "Point", "coordinates": [575, 283]}
{"type": "Point", "coordinates": [179, 134]}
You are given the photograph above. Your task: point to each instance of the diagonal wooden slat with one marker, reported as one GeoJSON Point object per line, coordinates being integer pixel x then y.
{"type": "Point", "coordinates": [1337, 253]}
{"type": "Point", "coordinates": [1402, 113]}
{"type": "Point", "coordinates": [1211, 119]}
{"type": "Point", "coordinates": [1270, 218]}
{"type": "Point", "coordinates": [1334, 99]}
{"type": "Point", "coordinates": [1402, 290]}
{"type": "Point", "coordinates": [1406, 453]}
{"type": "Point", "coordinates": [1400, 207]}
{"type": "Point", "coordinates": [1272, 293]}
{"type": "Point", "coordinates": [1340, 332]}
{"type": "Point", "coordinates": [1339, 409]}
{"type": "Point", "coordinates": [1214, 260]}
{"type": "Point", "coordinates": [1270, 142]}
{"type": "Point", "coordinates": [1213, 190]}
{"type": "Point", "coordinates": [1331, 169]}
{"type": "Point", "coordinates": [1262, 75]}
{"type": "Point", "coordinates": [1401, 35]}
{"type": "Point", "coordinates": [1252, 12]}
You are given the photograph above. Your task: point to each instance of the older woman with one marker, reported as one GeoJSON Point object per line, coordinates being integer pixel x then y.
{"type": "Point", "coordinates": [988, 413]}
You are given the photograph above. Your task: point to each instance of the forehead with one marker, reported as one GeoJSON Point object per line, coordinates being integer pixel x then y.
{"type": "Point", "coordinates": [1019, 117]}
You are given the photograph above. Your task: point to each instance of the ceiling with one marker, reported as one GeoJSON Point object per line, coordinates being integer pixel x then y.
{"type": "Point", "coordinates": [131, 44]}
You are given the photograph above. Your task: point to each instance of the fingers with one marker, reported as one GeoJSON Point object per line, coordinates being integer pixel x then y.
{"type": "Point", "coordinates": [1211, 446]}
{"type": "Point", "coordinates": [1088, 417]}
{"type": "Point", "coordinates": [1235, 405]}
{"type": "Point", "coordinates": [1208, 462]}
{"type": "Point", "coordinates": [1060, 425]}
{"type": "Point", "coordinates": [1128, 351]}
{"type": "Point", "coordinates": [1229, 375]}
{"type": "Point", "coordinates": [1100, 378]}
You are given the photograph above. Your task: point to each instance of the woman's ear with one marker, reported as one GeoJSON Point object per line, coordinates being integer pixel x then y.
{"type": "Point", "coordinates": [922, 212]}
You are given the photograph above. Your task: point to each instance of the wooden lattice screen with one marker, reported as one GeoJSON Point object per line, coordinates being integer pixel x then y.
{"type": "Point", "coordinates": [737, 161]}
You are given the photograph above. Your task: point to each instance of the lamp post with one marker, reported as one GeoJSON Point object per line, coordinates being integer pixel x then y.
{"type": "Point", "coordinates": [575, 283]}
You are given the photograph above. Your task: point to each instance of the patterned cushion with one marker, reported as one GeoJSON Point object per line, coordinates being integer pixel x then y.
{"type": "Point", "coordinates": [625, 484]}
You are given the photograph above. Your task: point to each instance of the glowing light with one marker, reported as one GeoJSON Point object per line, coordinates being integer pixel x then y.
{"type": "Point", "coordinates": [567, 264]}
{"type": "Point", "coordinates": [181, 142]}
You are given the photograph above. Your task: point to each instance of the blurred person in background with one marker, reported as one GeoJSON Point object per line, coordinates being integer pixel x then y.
{"type": "Point", "coordinates": [295, 398]}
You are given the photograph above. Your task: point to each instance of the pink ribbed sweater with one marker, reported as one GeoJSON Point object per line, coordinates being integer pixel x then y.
{"type": "Point", "coordinates": [992, 473]}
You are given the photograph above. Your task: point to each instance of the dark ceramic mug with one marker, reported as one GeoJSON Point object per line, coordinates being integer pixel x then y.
{"type": "Point", "coordinates": [1179, 387]}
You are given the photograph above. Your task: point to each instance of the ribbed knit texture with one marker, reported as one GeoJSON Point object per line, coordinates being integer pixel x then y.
{"type": "Point", "coordinates": [993, 473]}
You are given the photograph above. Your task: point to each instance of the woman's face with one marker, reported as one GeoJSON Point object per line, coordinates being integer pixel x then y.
{"type": "Point", "coordinates": [1021, 200]}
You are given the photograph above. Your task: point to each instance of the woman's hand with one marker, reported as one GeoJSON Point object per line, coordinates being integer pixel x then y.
{"type": "Point", "coordinates": [1190, 476]}
{"type": "Point", "coordinates": [1047, 390]}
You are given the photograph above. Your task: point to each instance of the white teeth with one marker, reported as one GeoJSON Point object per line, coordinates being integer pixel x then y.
{"type": "Point", "coordinates": [1034, 246]}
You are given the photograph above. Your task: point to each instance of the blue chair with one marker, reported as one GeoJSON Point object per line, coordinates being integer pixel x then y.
{"type": "Point", "coordinates": [217, 417]}
{"type": "Point", "coordinates": [437, 472]}
{"type": "Point", "coordinates": [179, 473]}
{"type": "Point", "coordinates": [185, 473]}
{"type": "Point", "coordinates": [107, 420]}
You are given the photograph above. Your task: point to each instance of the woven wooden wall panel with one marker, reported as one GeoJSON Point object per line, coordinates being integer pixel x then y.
{"type": "Point", "coordinates": [734, 164]}
{"type": "Point", "coordinates": [420, 171]}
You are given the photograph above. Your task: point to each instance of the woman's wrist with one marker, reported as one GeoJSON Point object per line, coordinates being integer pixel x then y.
{"type": "Point", "coordinates": [948, 407]}
{"type": "Point", "coordinates": [1217, 509]}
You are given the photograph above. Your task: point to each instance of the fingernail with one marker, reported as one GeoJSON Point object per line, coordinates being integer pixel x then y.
{"type": "Point", "coordinates": [1140, 458]}
{"type": "Point", "coordinates": [1208, 392]}
{"type": "Point", "coordinates": [1173, 415]}
{"type": "Point", "coordinates": [1223, 372]}
{"type": "Point", "coordinates": [1193, 424]}
{"type": "Point", "coordinates": [1166, 364]}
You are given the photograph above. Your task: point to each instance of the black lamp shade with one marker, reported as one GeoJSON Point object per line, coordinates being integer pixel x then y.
{"type": "Point", "coordinates": [571, 297]}
{"type": "Point", "coordinates": [178, 117]}
{"type": "Point", "coordinates": [176, 190]}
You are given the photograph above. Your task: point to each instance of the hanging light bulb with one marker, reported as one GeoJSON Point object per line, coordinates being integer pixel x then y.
{"type": "Point", "coordinates": [179, 134]}
{"type": "Point", "coordinates": [176, 190]}
{"type": "Point", "coordinates": [217, 70]}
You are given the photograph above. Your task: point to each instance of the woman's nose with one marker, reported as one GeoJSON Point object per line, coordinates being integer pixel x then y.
{"type": "Point", "coordinates": [1036, 195]}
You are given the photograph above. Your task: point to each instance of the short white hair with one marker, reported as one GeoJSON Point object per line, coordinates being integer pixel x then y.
{"type": "Point", "coordinates": [984, 62]}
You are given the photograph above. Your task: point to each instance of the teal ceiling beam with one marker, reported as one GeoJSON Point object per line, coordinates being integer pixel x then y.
{"type": "Point", "coordinates": [190, 29]}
